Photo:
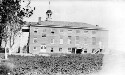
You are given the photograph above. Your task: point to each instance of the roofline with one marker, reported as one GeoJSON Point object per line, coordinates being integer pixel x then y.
{"type": "Point", "coordinates": [90, 27]}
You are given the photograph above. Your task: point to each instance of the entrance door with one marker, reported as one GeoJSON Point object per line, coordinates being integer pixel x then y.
{"type": "Point", "coordinates": [73, 50]}
{"type": "Point", "coordinates": [78, 51]}
{"type": "Point", "coordinates": [43, 48]}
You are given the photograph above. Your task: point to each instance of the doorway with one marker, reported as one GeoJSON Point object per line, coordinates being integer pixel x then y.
{"type": "Point", "coordinates": [73, 50]}
{"type": "Point", "coordinates": [78, 51]}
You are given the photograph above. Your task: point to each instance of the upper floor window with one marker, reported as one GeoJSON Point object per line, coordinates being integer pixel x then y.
{"type": "Point", "coordinates": [61, 30]}
{"type": "Point", "coordinates": [52, 41]}
{"type": "Point", "coordinates": [93, 40]}
{"type": "Point", "coordinates": [52, 30]}
{"type": "Point", "coordinates": [43, 35]}
{"type": "Point", "coordinates": [93, 32]}
{"type": "Point", "coordinates": [60, 49]}
{"type": "Point", "coordinates": [35, 40]}
{"type": "Point", "coordinates": [85, 40]}
{"type": "Point", "coordinates": [77, 31]}
{"type": "Point", "coordinates": [77, 39]}
{"type": "Point", "coordinates": [44, 30]}
{"type": "Point", "coordinates": [69, 39]}
{"type": "Point", "coordinates": [69, 30]}
{"type": "Point", "coordinates": [35, 30]}
{"type": "Point", "coordinates": [34, 48]}
{"type": "Point", "coordinates": [61, 39]}
{"type": "Point", "coordinates": [85, 31]}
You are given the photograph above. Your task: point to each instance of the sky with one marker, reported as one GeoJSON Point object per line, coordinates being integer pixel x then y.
{"type": "Point", "coordinates": [109, 14]}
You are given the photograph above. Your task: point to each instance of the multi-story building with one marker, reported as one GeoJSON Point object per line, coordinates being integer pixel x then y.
{"type": "Point", "coordinates": [66, 37]}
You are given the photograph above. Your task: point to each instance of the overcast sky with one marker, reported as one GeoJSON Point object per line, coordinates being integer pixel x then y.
{"type": "Point", "coordinates": [109, 14]}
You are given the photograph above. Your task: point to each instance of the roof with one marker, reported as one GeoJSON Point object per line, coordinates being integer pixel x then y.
{"type": "Point", "coordinates": [49, 11]}
{"type": "Point", "coordinates": [65, 24]}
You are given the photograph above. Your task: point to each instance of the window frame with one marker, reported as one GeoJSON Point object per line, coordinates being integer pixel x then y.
{"type": "Point", "coordinates": [35, 38]}
{"type": "Point", "coordinates": [35, 30]}
{"type": "Point", "coordinates": [35, 48]}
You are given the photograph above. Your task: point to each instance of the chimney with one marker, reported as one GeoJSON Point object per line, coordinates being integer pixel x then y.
{"type": "Point", "coordinates": [97, 25]}
{"type": "Point", "coordinates": [39, 20]}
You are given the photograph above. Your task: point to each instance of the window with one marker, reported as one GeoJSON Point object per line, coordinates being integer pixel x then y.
{"type": "Point", "coordinates": [69, 49]}
{"type": "Point", "coordinates": [93, 50]}
{"type": "Point", "coordinates": [69, 39]}
{"type": "Point", "coordinates": [52, 41]}
{"type": "Point", "coordinates": [85, 50]}
{"type": "Point", "coordinates": [51, 49]}
{"type": "Point", "coordinates": [61, 30]}
{"type": "Point", "coordinates": [61, 39]}
{"type": "Point", "coordinates": [60, 49]}
{"type": "Point", "coordinates": [35, 30]}
{"type": "Point", "coordinates": [85, 31]}
{"type": "Point", "coordinates": [77, 31]}
{"type": "Point", "coordinates": [69, 30]}
{"type": "Point", "coordinates": [34, 48]}
{"type": "Point", "coordinates": [77, 40]}
{"type": "Point", "coordinates": [52, 31]}
{"type": "Point", "coordinates": [35, 40]}
{"type": "Point", "coordinates": [93, 32]}
{"type": "Point", "coordinates": [77, 37]}
{"type": "Point", "coordinates": [43, 46]}
{"type": "Point", "coordinates": [93, 40]}
{"type": "Point", "coordinates": [85, 40]}
{"type": "Point", "coordinates": [44, 30]}
{"type": "Point", "coordinates": [43, 35]}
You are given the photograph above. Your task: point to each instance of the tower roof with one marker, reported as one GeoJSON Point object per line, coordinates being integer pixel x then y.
{"type": "Point", "coordinates": [49, 11]}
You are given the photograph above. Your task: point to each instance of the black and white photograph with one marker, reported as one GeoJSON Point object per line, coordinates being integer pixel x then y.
{"type": "Point", "coordinates": [62, 37]}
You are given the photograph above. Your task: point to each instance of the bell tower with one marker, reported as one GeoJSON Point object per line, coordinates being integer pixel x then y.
{"type": "Point", "coordinates": [48, 14]}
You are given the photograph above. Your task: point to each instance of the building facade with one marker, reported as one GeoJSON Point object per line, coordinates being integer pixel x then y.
{"type": "Point", "coordinates": [66, 37]}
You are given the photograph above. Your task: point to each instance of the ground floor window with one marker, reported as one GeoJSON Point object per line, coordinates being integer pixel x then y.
{"type": "Point", "coordinates": [60, 49]}
{"type": "Point", "coordinates": [34, 48]}
{"type": "Point", "coordinates": [85, 50]}
{"type": "Point", "coordinates": [69, 49]}
{"type": "Point", "coordinates": [93, 50]}
{"type": "Point", "coordinates": [51, 49]}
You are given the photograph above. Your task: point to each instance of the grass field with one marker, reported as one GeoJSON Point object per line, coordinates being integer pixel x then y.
{"type": "Point", "coordinates": [70, 64]}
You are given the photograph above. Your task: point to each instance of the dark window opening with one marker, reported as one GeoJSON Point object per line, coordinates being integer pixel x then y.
{"type": "Point", "coordinates": [93, 50]}
{"type": "Point", "coordinates": [42, 47]}
{"type": "Point", "coordinates": [52, 32]}
{"type": "Point", "coordinates": [69, 49]}
{"type": "Point", "coordinates": [78, 51]}
{"type": "Point", "coordinates": [35, 31]}
{"type": "Point", "coordinates": [43, 35]}
{"type": "Point", "coordinates": [101, 50]}
{"type": "Point", "coordinates": [85, 50]}
{"type": "Point", "coordinates": [60, 49]}
{"type": "Point", "coordinates": [73, 50]}
{"type": "Point", "coordinates": [51, 49]}
{"type": "Point", "coordinates": [25, 30]}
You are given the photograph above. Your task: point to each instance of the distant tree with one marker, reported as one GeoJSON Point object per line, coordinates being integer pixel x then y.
{"type": "Point", "coordinates": [11, 18]}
